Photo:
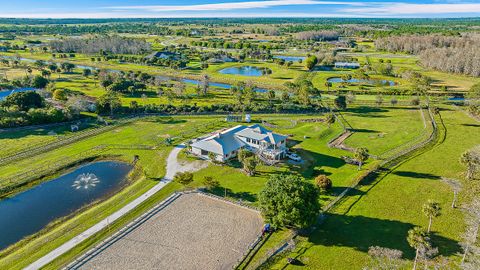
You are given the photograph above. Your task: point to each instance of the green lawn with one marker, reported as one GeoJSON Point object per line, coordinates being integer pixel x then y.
{"type": "Point", "coordinates": [382, 214]}
{"type": "Point", "coordinates": [381, 129]}
{"type": "Point", "coordinates": [307, 139]}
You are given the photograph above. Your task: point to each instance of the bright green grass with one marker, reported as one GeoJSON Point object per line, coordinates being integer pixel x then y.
{"type": "Point", "coordinates": [389, 209]}
{"type": "Point", "coordinates": [385, 128]}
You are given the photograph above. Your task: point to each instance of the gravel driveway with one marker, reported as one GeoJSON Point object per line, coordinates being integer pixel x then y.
{"type": "Point", "coordinates": [174, 165]}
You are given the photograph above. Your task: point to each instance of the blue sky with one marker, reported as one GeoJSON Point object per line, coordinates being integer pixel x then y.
{"type": "Point", "coordinates": [238, 8]}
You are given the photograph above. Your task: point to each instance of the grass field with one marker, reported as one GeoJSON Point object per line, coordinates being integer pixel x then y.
{"type": "Point", "coordinates": [308, 139]}
{"type": "Point", "coordinates": [383, 213]}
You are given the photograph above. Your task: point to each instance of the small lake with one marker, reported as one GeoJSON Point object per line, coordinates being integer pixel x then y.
{"type": "Point", "coordinates": [189, 81]}
{"type": "Point", "coordinates": [5, 93]}
{"type": "Point", "coordinates": [289, 58]}
{"type": "Point", "coordinates": [353, 80]}
{"type": "Point", "coordinates": [30, 211]}
{"type": "Point", "coordinates": [243, 70]}
{"type": "Point", "coordinates": [220, 85]}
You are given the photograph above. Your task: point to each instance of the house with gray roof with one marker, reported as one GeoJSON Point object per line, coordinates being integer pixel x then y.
{"type": "Point", "coordinates": [225, 144]}
{"type": "Point", "coordinates": [350, 65]}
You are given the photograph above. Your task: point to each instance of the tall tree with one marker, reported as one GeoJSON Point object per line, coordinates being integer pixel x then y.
{"type": "Point", "coordinates": [289, 201]}
{"type": "Point", "coordinates": [340, 102]}
{"type": "Point", "coordinates": [361, 155]}
{"type": "Point", "coordinates": [431, 209]}
{"type": "Point", "coordinates": [456, 188]}
{"type": "Point", "coordinates": [250, 165]}
{"type": "Point", "coordinates": [330, 119]}
{"type": "Point", "coordinates": [471, 160]}
{"type": "Point", "coordinates": [205, 84]}
{"type": "Point", "coordinates": [418, 239]}
{"type": "Point", "coordinates": [471, 249]}
{"type": "Point", "coordinates": [311, 62]}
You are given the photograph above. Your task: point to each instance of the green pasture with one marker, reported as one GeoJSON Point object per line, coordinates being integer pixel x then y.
{"type": "Point", "coordinates": [381, 214]}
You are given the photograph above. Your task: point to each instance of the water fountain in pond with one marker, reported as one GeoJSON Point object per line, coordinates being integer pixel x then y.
{"type": "Point", "coordinates": [85, 181]}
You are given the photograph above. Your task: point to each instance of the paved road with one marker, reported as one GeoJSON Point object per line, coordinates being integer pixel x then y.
{"type": "Point", "coordinates": [173, 166]}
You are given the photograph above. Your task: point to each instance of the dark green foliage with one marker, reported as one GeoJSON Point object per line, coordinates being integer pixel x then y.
{"type": "Point", "coordinates": [24, 100]}
{"type": "Point", "coordinates": [210, 183]}
{"type": "Point", "coordinates": [39, 82]}
{"type": "Point", "coordinates": [289, 201]}
{"type": "Point", "coordinates": [108, 103]}
{"type": "Point", "coordinates": [340, 102]}
{"type": "Point", "coordinates": [323, 182]}
{"type": "Point", "coordinates": [184, 178]}
{"type": "Point", "coordinates": [310, 62]}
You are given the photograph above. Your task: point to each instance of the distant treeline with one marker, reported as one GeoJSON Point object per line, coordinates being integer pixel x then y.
{"type": "Point", "coordinates": [163, 26]}
{"type": "Point", "coordinates": [460, 54]}
{"type": "Point", "coordinates": [222, 21]}
{"type": "Point", "coordinates": [325, 35]}
{"type": "Point", "coordinates": [97, 44]}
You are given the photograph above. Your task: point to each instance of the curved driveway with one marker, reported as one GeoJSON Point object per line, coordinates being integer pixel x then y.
{"type": "Point", "coordinates": [173, 166]}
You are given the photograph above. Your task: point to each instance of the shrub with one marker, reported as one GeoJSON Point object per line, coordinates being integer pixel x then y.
{"type": "Point", "coordinates": [184, 178]}
{"type": "Point", "coordinates": [323, 182]}
{"type": "Point", "coordinates": [210, 182]}
{"type": "Point", "coordinates": [60, 94]}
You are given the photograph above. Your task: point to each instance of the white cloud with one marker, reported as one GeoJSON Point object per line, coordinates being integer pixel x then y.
{"type": "Point", "coordinates": [232, 5]}
{"type": "Point", "coordinates": [411, 9]}
{"type": "Point", "coordinates": [261, 9]}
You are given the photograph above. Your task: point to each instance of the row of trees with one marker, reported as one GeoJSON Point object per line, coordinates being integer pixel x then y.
{"type": "Point", "coordinates": [97, 44]}
{"type": "Point", "coordinates": [322, 35]}
{"type": "Point", "coordinates": [29, 108]}
{"type": "Point", "coordinates": [446, 53]}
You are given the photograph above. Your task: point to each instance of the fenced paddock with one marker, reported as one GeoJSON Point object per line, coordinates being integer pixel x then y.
{"type": "Point", "coordinates": [191, 231]}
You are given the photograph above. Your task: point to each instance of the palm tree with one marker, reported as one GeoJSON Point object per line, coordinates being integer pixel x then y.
{"type": "Point", "coordinates": [456, 187]}
{"type": "Point", "coordinates": [418, 239]}
{"type": "Point", "coordinates": [330, 119]}
{"type": "Point", "coordinates": [431, 209]}
{"type": "Point", "coordinates": [361, 155]}
{"type": "Point", "coordinates": [470, 160]}
{"type": "Point", "coordinates": [205, 84]}
{"type": "Point", "coordinates": [328, 85]}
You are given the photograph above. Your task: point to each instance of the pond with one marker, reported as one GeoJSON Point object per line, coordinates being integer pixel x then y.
{"type": "Point", "coordinates": [289, 58]}
{"type": "Point", "coordinates": [5, 93]}
{"type": "Point", "coordinates": [28, 212]}
{"type": "Point", "coordinates": [189, 81]}
{"type": "Point", "coordinates": [243, 70]}
{"type": "Point", "coordinates": [220, 85]}
{"type": "Point", "coordinates": [353, 80]}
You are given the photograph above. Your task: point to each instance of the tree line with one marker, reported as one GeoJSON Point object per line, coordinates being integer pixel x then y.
{"type": "Point", "coordinates": [97, 44]}
{"type": "Point", "coordinates": [455, 54]}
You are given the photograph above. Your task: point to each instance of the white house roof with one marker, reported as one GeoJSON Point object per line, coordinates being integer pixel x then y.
{"type": "Point", "coordinates": [260, 133]}
{"type": "Point", "coordinates": [221, 143]}
{"type": "Point", "coordinates": [349, 64]}
{"type": "Point", "coordinates": [227, 141]}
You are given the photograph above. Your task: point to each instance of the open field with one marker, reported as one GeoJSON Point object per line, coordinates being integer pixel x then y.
{"type": "Point", "coordinates": [194, 231]}
{"type": "Point", "coordinates": [382, 213]}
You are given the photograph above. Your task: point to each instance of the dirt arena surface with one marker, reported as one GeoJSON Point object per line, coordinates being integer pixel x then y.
{"type": "Point", "coordinates": [193, 232]}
